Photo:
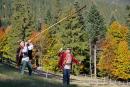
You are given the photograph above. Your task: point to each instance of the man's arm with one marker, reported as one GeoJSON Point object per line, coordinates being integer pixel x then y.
{"type": "Point", "coordinates": [20, 53]}
{"type": "Point", "coordinates": [74, 60]}
{"type": "Point", "coordinates": [60, 60]}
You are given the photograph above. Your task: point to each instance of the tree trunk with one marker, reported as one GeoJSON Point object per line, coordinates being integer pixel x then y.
{"type": "Point", "coordinates": [95, 59]}
{"type": "Point", "coordinates": [0, 23]}
{"type": "Point", "coordinates": [90, 60]}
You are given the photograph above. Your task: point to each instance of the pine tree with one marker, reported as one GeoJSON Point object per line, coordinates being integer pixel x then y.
{"type": "Point", "coordinates": [74, 35]}
{"type": "Point", "coordinates": [22, 18]}
{"type": "Point", "coordinates": [96, 25]}
{"type": "Point", "coordinates": [57, 10]}
{"type": "Point", "coordinates": [48, 18]}
{"type": "Point", "coordinates": [22, 25]}
{"type": "Point", "coordinates": [56, 17]}
{"type": "Point", "coordinates": [96, 29]}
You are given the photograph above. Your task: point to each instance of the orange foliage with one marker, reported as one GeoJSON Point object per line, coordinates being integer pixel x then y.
{"type": "Point", "coordinates": [114, 58]}
{"type": "Point", "coordinates": [34, 37]}
{"type": "Point", "coordinates": [2, 33]}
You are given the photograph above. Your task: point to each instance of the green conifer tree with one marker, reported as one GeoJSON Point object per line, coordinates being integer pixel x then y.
{"type": "Point", "coordinates": [96, 29]}
{"type": "Point", "coordinates": [74, 35]}
{"type": "Point", "coordinates": [22, 25]}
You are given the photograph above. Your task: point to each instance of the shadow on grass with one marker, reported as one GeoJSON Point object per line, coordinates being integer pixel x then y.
{"type": "Point", "coordinates": [31, 83]}
{"type": "Point", "coordinates": [6, 69]}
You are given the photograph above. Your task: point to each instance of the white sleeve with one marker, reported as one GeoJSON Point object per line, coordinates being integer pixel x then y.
{"type": "Point", "coordinates": [30, 47]}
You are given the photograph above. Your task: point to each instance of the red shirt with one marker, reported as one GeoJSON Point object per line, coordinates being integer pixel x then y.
{"type": "Point", "coordinates": [62, 56]}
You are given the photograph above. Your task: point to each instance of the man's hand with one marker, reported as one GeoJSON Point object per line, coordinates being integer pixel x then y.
{"type": "Point", "coordinates": [80, 63]}
{"type": "Point", "coordinates": [60, 49]}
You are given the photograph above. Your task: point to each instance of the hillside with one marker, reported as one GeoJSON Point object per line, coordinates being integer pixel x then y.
{"type": "Point", "coordinates": [107, 8]}
{"type": "Point", "coordinates": [118, 2]}
{"type": "Point", "coordinates": [10, 77]}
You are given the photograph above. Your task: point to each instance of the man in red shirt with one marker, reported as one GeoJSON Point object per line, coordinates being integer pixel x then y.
{"type": "Point", "coordinates": [65, 61]}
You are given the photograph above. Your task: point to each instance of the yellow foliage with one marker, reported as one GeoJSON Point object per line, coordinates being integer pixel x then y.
{"type": "Point", "coordinates": [114, 59]}
{"type": "Point", "coordinates": [50, 65]}
{"type": "Point", "coordinates": [117, 31]}
{"type": "Point", "coordinates": [3, 36]}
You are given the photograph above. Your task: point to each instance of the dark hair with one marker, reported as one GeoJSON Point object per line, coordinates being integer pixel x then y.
{"type": "Point", "coordinates": [68, 48]}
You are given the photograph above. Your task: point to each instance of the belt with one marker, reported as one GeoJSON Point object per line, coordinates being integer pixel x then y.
{"type": "Point", "coordinates": [68, 64]}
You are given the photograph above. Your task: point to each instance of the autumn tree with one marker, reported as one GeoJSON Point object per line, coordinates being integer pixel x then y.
{"type": "Point", "coordinates": [114, 58]}
{"type": "Point", "coordinates": [128, 23]}
{"type": "Point", "coordinates": [2, 35]}
{"type": "Point", "coordinates": [3, 39]}
{"type": "Point", "coordinates": [46, 49]}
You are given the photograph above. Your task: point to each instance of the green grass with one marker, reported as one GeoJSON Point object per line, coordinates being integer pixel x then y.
{"type": "Point", "coordinates": [10, 77]}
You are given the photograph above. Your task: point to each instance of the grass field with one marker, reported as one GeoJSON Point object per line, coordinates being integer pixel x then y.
{"type": "Point", "coordinates": [10, 77]}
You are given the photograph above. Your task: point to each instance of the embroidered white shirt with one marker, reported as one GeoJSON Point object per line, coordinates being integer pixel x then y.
{"type": "Point", "coordinates": [68, 61]}
{"type": "Point", "coordinates": [25, 49]}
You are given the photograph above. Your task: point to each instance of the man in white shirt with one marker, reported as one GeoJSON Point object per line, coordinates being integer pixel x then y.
{"type": "Point", "coordinates": [25, 60]}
